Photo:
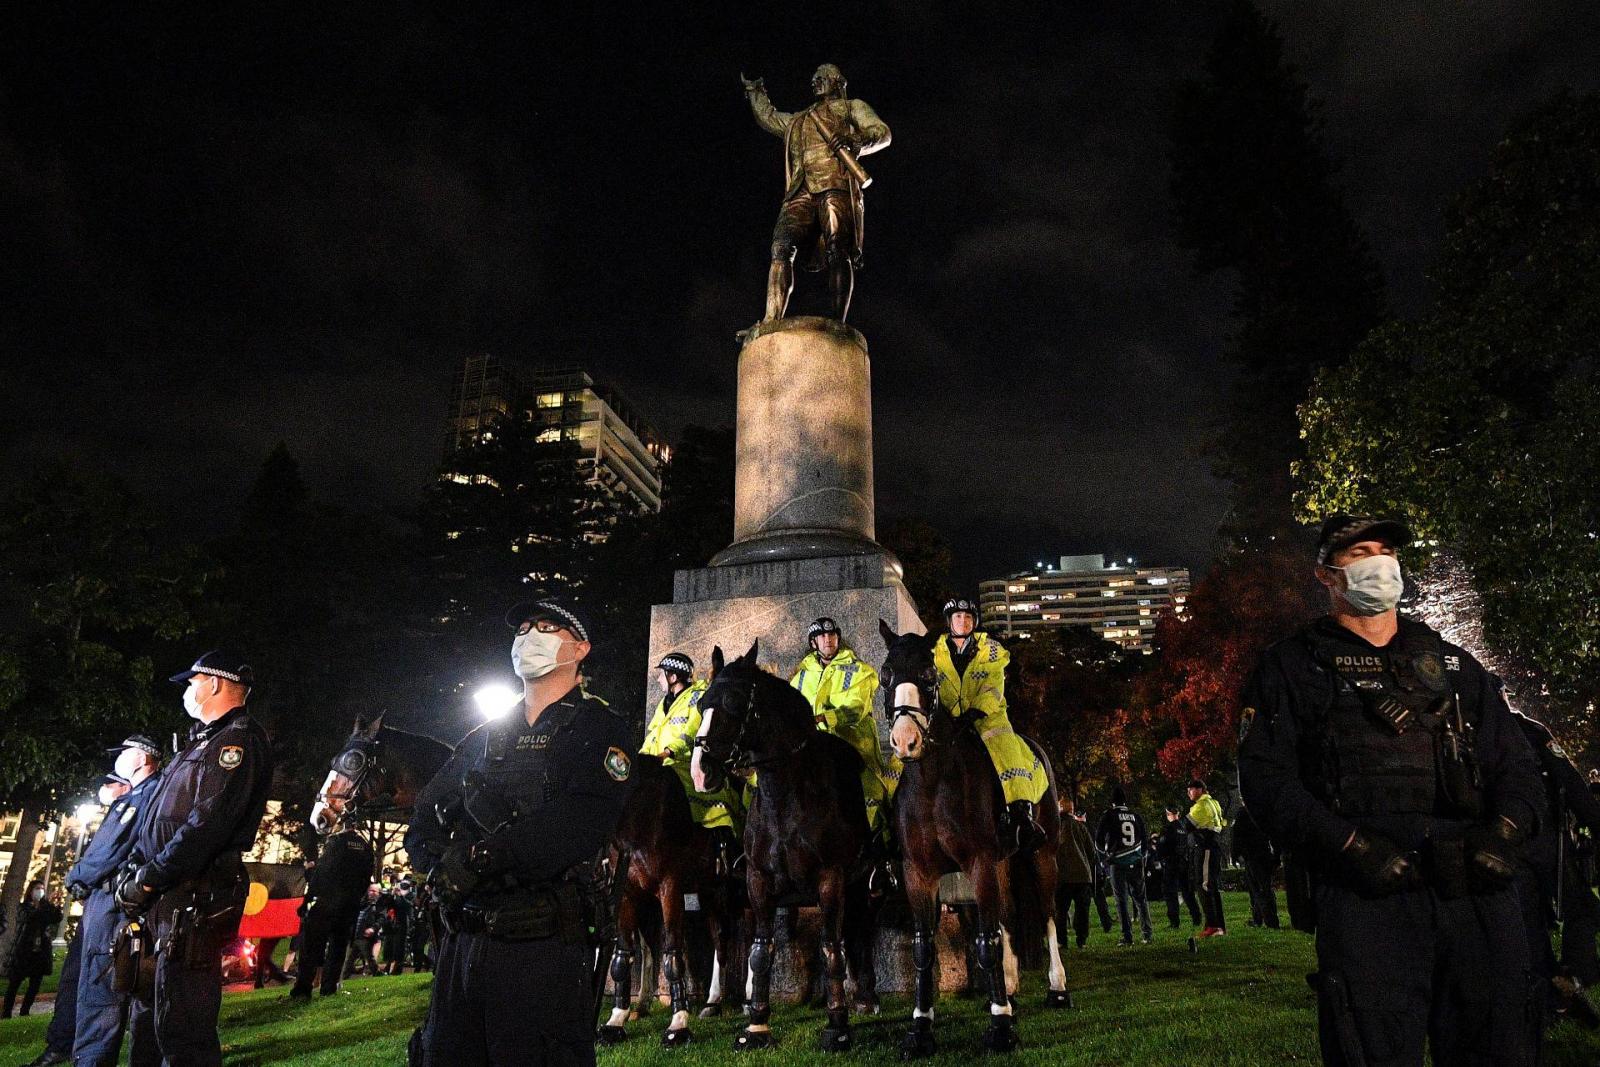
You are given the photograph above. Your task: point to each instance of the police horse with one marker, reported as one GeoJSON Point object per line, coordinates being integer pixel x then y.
{"type": "Point", "coordinates": [662, 854]}
{"type": "Point", "coordinates": [806, 832]}
{"type": "Point", "coordinates": [947, 814]}
{"type": "Point", "coordinates": [376, 775]}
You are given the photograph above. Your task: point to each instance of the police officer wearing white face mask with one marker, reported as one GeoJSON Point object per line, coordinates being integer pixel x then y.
{"type": "Point", "coordinates": [509, 831]}
{"type": "Point", "coordinates": [1385, 759]}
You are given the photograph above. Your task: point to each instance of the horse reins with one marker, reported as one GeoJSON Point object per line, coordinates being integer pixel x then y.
{"type": "Point", "coordinates": [735, 759]}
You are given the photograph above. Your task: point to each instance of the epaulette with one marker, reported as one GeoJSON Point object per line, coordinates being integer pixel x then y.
{"type": "Point", "coordinates": [590, 698]}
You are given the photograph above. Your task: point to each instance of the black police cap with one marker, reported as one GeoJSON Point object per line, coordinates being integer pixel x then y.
{"type": "Point", "coordinates": [220, 664]}
{"type": "Point", "coordinates": [1342, 531]}
{"type": "Point", "coordinates": [142, 742]}
{"type": "Point", "coordinates": [551, 609]}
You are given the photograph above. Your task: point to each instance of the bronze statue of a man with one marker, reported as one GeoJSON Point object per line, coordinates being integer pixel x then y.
{"type": "Point", "coordinates": [822, 205]}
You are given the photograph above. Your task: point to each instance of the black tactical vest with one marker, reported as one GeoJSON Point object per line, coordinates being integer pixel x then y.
{"type": "Point", "coordinates": [1392, 738]}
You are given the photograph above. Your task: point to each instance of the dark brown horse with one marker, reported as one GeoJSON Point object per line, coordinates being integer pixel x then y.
{"type": "Point", "coordinates": [947, 815]}
{"type": "Point", "coordinates": [666, 854]}
{"type": "Point", "coordinates": [376, 775]}
{"type": "Point", "coordinates": [806, 832]}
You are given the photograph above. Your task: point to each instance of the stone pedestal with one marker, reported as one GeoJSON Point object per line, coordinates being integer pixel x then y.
{"type": "Point", "coordinates": [803, 539]}
{"type": "Point", "coordinates": [803, 480]}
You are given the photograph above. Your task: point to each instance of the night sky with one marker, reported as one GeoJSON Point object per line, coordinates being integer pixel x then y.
{"type": "Point", "coordinates": [234, 224]}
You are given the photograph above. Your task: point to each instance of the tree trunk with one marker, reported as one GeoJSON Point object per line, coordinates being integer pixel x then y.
{"type": "Point", "coordinates": [17, 874]}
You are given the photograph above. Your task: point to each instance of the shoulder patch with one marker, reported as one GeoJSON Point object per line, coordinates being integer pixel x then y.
{"type": "Point", "coordinates": [127, 814]}
{"type": "Point", "coordinates": [230, 757]}
{"type": "Point", "coordinates": [616, 763]}
{"type": "Point", "coordinates": [1556, 749]}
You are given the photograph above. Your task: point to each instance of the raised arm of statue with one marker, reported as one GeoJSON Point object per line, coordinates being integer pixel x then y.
{"type": "Point", "coordinates": [768, 117]}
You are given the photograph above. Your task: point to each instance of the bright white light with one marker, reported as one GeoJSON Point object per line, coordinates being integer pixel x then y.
{"type": "Point", "coordinates": [86, 812]}
{"type": "Point", "coordinates": [494, 701]}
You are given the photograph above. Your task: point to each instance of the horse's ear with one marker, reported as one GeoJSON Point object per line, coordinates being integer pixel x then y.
{"type": "Point", "coordinates": [887, 633]}
{"type": "Point", "coordinates": [376, 724]}
{"type": "Point", "coordinates": [360, 728]}
{"type": "Point", "coordinates": [755, 646]}
{"type": "Point", "coordinates": [717, 662]}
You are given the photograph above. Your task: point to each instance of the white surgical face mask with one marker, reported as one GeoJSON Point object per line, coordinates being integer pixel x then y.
{"type": "Point", "coordinates": [535, 654]}
{"type": "Point", "coordinates": [106, 796]}
{"type": "Point", "coordinates": [1372, 585]}
{"type": "Point", "coordinates": [191, 702]}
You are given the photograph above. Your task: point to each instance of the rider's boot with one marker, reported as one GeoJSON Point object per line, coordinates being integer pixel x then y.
{"type": "Point", "coordinates": [1024, 825]}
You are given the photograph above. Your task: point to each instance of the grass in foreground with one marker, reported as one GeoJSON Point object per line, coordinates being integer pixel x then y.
{"type": "Point", "coordinates": [1241, 1000]}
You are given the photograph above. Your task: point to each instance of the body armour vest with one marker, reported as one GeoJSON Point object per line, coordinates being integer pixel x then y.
{"type": "Point", "coordinates": [1393, 739]}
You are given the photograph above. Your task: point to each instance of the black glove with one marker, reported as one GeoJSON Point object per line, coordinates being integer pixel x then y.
{"type": "Point", "coordinates": [1379, 864]}
{"type": "Point", "coordinates": [134, 894]}
{"type": "Point", "coordinates": [78, 891]}
{"type": "Point", "coordinates": [1492, 851]}
{"type": "Point", "coordinates": [453, 878]}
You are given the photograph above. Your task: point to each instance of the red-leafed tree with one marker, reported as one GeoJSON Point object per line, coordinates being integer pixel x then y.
{"type": "Point", "coordinates": [1189, 701]}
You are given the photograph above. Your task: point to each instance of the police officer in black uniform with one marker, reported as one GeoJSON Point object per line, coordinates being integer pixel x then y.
{"type": "Point", "coordinates": [97, 1030]}
{"type": "Point", "coordinates": [1549, 885]}
{"type": "Point", "coordinates": [186, 876]}
{"type": "Point", "coordinates": [1386, 757]}
{"type": "Point", "coordinates": [509, 831]}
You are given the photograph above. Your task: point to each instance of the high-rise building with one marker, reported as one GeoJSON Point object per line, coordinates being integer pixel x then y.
{"type": "Point", "coordinates": [619, 449]}
{"type": "Point", "coordinates": [1118, 601]}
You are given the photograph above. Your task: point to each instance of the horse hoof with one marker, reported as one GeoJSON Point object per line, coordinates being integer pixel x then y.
{"type": "Point", "coordinates": [610, 1035]}
{"type": "Point", "coordinates": [918, 1042]}
{"type": "Point", "coordinates": [676, 1038]}
{"type": "Point", "coordinates": [711, 1011]}
{"type": "Point", "coordinates": [1000, 1037]}
{"type": "Point", "coordinates": [1058, 998]}
{"type": "Point", "coordinates": [835, 1040]}
{"type": "Point", "coordinates": [747, 1039]}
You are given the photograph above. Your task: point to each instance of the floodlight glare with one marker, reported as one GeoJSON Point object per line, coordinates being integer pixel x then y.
{"type": "Point", "coordinates": [495, 701]}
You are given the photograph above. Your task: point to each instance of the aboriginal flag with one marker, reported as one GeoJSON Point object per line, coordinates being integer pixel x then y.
{"type": "Point", "coordinates": [276, 892]}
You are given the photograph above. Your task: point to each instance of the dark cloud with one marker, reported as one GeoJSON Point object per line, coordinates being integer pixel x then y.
{"type": "Point", "coordinates": [292, 223]}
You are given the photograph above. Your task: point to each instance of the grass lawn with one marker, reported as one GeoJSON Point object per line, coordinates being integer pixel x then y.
{"type": "Point", "coordinates": [1241, 1000]}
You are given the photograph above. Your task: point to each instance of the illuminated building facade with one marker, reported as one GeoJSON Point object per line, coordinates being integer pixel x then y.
{"type": "Point", "coordinates": [621, 452]}
{"type": "Point", "coordinates": [1119, 601]}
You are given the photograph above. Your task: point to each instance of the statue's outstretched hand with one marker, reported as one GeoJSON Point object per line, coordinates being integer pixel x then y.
{"type": "Point", "coordinates": [755, 85]}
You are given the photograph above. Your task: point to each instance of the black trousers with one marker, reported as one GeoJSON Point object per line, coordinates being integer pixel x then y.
{"type": "Point", "coordinates": [1072, 905]}
{"type": "Point", "coordinates": [176, 1021]}
{"type": "Point", "coordinates": [29, 985]}
{"type": "Point", "coordinates": [63, 1019]}
{"type": "Point", "coordinates": [1129, 883]}
{"type": "Point", "coordinates": [1175, 882]}
{"type": "Point", "coordinates": [324, 940]}
{"type": "Point", "coordinates": [1258, 872]}
{"type": "Point", "coordinates": [1100, 904]}
{"type": "Point", "coordinates": [1402, 971]}
{"type": "Point", "coordinates": [1580, 924]}
{"type": "Point", "coordinates": [1207, 876]}
{"type": "Point", "coordinates": [362, 951]}
{"type": "Point", "coordinates": [510, 1004]}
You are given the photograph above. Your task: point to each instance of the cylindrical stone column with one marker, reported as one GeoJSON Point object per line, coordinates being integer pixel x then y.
{"type": "Point", "coordinates": [803, 475]}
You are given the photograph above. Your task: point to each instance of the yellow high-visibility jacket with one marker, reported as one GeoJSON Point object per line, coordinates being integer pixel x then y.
{"type": "Point", "coordinates": [981, 691]}
{"type": "Point", "coordinates": [842, 693]}
{"type": "Point", "coordinates": [670, 734]}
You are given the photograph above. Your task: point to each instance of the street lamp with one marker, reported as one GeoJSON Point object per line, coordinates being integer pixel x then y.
{"type": "Point", "coordinates": [496, 701]}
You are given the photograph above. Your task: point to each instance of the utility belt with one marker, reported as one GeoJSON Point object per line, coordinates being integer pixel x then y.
{"type": "Point", "coordinates": [555, 910]}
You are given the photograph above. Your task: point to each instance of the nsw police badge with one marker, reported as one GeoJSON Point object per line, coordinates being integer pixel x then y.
{"type": "Point", "coordinates": [230, 757]}
{"type": "Point", "coordinates": [617, 764]}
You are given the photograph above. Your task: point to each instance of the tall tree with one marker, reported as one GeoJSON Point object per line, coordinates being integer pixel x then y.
{"type": "Point", "coordinates": [90, 603]}
{"type": "Point", "coordinates": [1478, 420]}
{"type": "Point", "coordinates": [1189, 701]}
{"type": "Point", "coordinates": [1253, 186]}
{"type": "Point", "coordinates": [926, 557]}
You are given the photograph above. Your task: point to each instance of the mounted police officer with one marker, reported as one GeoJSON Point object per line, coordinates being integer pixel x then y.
{"type": "Point", "coordinates": [510, 830]}
{"type": "Point", "coordinates": [972, 679]}
{"type": "Point", "coordinates": [670, 736]}
{"type": "Point", "coordinates": [841, 688]}
{"type": "Point", "coordinates": [96, 1022]}
{"type": "Point", "coordinates": [187, 870]}
{"type": "Point", "coordinates": [1385, 757]}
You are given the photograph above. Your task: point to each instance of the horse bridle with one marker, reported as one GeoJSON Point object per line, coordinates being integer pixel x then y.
{"type": "Point", "coordinates": [736, 759]}
{"type": "Point", "coordinates": [355, 762]}
{"type": "Point", "coordinates": [922, 720]}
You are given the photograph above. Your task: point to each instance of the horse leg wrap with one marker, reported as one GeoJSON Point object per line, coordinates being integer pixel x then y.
{"type": "Point", "coordinates": [672, 967]}
{"type": "Point", "coordinates": [761, 975]}
{"type": "Point", "coordinates": [838, 1012]}
{"type": "Point", "coordinates": [621, 978]}
{"type": "Point", "coordinates": [990, 950]}
{"type": "Point", "coordinates": [923, 955]}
